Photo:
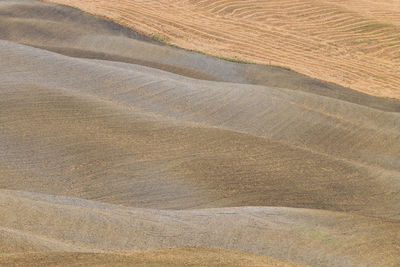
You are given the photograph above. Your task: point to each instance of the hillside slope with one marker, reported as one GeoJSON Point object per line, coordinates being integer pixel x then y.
{"type": "Point", "coordinates": [319, 238]}
{"type": "Point", "coordinates": [352, 43]}
{"type": "Point", "coordinates": [115, 149]}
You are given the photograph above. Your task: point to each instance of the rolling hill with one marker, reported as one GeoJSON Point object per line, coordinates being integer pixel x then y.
{"type": "Point", "coordinates": [117, 149]}
{"type": "Point", "coordinates": [352, 43]}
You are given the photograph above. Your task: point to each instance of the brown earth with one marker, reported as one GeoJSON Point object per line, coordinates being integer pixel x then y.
{"type": "Point", "coordinates": [157, 257]}
{"type": "Point", "coordinates": [354, 43]}
{"type": "Point", "coordinates": [112, 143]}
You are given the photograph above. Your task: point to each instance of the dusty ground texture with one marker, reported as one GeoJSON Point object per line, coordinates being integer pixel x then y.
{"type": "Point", "coordinates": [112, 143]}
{"type": "Point", "coordinates": [354, 43]}
{"type": "Point", "coordinates": [158, 257]}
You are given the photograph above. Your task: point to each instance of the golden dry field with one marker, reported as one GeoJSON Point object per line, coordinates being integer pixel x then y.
{"type": "Point", "coordinates": [119, 150]}
{"type": "Point", "coordinates": [354, 43]}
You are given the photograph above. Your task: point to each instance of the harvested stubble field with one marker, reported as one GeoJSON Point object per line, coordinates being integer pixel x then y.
{"type": "Point", "coordinates": [118, 150]}
{"type": "Point", "coordinates": [354, 43]}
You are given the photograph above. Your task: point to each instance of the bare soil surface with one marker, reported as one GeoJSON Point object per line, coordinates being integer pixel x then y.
{"type": "Point", "coordinates": [353, 43]}
{"type": "Point", "coordinates": [115, 149]}
{"type": "Point", "coordinates": [158, 257]}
